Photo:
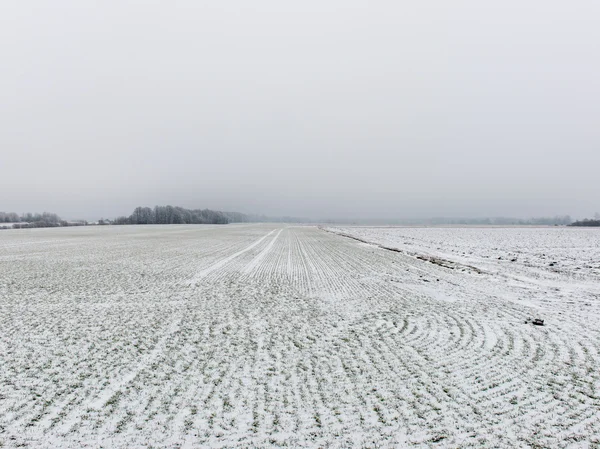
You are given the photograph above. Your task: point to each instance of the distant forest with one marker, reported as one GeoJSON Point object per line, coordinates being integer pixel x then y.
{"type": "Point", "coordinates": [45, 220]}
{"type": "Point", "coordinates": [559, 220]}
{"type": "Point", "coordinates": [587, 222]}
{"type": "Point", "coordinates": [179, 215]}
{"type": "Point", "coordinates": [141, 215]}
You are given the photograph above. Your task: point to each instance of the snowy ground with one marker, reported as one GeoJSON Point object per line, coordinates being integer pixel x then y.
{"type": "Point", "coordinates": [270, 336]}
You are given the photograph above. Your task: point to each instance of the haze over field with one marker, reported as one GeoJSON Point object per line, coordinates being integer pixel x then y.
{"type": "Point", "coordinates": [314, 109]}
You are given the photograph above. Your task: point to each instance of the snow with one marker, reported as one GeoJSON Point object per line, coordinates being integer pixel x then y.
{"type": "Point", "coordinates": [273, 335]}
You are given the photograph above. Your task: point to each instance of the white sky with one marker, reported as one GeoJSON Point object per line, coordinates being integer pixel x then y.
{"type": "Point", "coordinates": [321, 109]}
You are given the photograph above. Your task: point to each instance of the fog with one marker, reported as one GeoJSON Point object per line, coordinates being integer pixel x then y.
{"type": "Point", "coordinates": [315, 109]}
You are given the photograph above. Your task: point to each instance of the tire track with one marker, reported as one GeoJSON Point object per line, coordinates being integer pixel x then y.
{"type": "Point", "coordinates": [254, 263]}
{"type": "Point", "coordinates": [217, 266]}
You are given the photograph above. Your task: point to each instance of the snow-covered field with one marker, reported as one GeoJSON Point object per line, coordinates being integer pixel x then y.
{"type": "Point", "coordinates": [271, 335]}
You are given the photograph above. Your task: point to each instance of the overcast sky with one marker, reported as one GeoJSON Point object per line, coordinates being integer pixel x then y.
{"type": "Point", "coordinates": [320, 109]}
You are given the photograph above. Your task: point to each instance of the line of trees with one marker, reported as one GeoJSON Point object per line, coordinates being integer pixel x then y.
{"type": "Point", "coordinates": [29, 220]}
{"type": "Point", "coordinates": [589, 222]}
{"type": "Point", "coordinates": [178, 215]}
{"type": "Point", "coordinates": [141, 215]}
{"type": "Point", "coordinates": [559, 220]}
{"type": "Point", "coordinates": [586, 222]}
{"type": "Point", "coordinates": [9, 217]}
{"type": "Point", "coordinates": [181, 215]}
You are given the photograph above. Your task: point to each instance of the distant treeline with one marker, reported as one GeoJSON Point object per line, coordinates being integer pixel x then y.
{"type": "Point", "coordinates": [177, 215]}
{"type": "Point", "coordinates": [142, 215]}
{"type": "Point", "coordinates": [587, 222]}
{"type": "Point", "coordinates": [181, 215]}
{"type": "Point", "coordinates": [559, 220]}
{"type": "Point", "coordinates": [37, 220]}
